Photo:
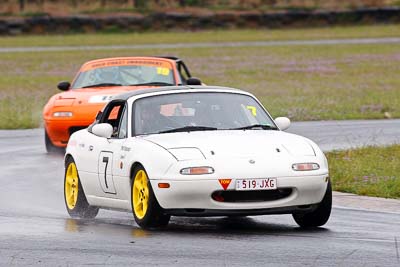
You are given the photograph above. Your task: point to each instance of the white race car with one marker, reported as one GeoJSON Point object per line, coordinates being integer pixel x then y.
{"type": "Point", "coordinates": [194, 151]}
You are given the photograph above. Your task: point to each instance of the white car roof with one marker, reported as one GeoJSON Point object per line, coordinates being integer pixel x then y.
{"type": "Point", "coordinates": [126, 96]}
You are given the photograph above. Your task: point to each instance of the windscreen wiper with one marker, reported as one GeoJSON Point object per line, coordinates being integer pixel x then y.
{"type": "Point", "coordinates": [152, 83]}
{"type": "Point", "coordinates": [102, 84]}
{"type": "Point", "coordinates": [254, 126]}
{"type": "Point", "coordinates": [190, 129]}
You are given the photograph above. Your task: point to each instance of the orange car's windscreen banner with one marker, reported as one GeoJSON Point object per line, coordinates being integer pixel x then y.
{"type": "Point", "coordinates": [126, 62]}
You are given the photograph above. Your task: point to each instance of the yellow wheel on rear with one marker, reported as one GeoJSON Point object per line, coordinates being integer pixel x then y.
{"type": "Point", "coordinates": [140, 194]}
{"type": "Point", "coordinates": [74, 196]}
{"type": "Point", "coordinates": [71, 186]}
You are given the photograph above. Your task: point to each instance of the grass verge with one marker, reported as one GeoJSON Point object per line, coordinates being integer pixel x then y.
{"type": "Point", "coordinates": [369, 171]}
{"type": "Point", "coordinates": [320, 82]}
{"type": "Point", "coordinates": [374, 31]}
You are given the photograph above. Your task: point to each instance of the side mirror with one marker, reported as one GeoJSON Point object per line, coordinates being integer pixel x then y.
{"type": "Point", "coordinates": [193, 81]}
{"type": "Point", "coordinates": [102, 130]}
{"type": "Point", "coordinates": [282, 122]}
{"type": "Point", "coordinates": [64, 86]}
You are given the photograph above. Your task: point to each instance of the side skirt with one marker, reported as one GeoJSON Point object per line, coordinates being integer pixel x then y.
{"type": "Point", "coordinates": [109, 203]}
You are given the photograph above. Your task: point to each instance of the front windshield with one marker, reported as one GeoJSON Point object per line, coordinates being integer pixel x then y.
{"type": "Point", "coordinates": [198, 111]}
{"type": "Point", "coordinates": [125, 75]}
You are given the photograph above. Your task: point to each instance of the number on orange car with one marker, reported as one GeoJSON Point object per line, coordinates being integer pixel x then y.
{"type": "Point", "coordinates": [162, 71]}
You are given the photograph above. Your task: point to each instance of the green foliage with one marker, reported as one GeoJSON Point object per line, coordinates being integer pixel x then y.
{"type": "Point", "coordinates": [75, 6]}
{"type": "Point", "coordinates": [140, 4]}
{"type": "Point", "coordinates": [34, 14]}
{"type": "Point", "coordinates": [370, 171]}
{"type": "Point", "coordinates": [112, 10]}
{"type": "Point", "coordinates": [191, 3]}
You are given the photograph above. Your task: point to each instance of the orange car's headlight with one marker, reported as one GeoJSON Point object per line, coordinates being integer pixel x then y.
{"type": "Point", "coordinates": [59, 114]}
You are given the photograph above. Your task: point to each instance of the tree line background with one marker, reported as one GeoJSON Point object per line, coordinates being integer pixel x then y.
{"type": "Point", "coordinates": [68, 6]}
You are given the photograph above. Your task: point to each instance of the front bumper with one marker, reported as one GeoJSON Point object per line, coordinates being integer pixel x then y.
{"type": "Point", "coordinates": [59, 131]}
{"type": "Point", "coordinates": [193, 197]}
{"type": "Point", "coordinates": [240, 212]}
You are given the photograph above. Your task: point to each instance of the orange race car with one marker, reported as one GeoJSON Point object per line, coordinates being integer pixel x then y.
{"type": "Point", "coordinates": [96, 83]}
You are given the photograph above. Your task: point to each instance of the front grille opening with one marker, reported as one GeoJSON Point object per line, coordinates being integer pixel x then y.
{"type": "Point", "coordinates": [305, 207]}
{"type": "Point", "coordinates": [194, 210]}
{"type": "Point", "coordinates": [251, 196]}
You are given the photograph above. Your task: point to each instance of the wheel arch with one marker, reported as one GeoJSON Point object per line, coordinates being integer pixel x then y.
{"type": "Point", "coordinates": [67, 157]}
{"type": "Point", "coordinates": [134, 166]}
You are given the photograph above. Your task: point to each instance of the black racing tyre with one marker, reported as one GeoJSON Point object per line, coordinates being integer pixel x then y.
{"type": "Point", "coordinates": [145, 207]}
{"type": "Point", "coordinates": [320, 215]}
{"type": "Point", "coordinates": [74, 196]}
{"type": "Point", "coordinates": [50, 147]}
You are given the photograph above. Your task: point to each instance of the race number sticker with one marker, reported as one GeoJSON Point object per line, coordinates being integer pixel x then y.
{"type": "Point", "coordinates": [253, 110]}
{"type": "Point", "coordinates": [163, 71]}
{"type": "Point", "coordinates": [100, 98]}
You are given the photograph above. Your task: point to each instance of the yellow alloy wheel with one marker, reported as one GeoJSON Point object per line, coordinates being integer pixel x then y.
{"type": "Point", "coordinates": [71, 186]}
{"type": "Point", "coordinates": [140, 194]}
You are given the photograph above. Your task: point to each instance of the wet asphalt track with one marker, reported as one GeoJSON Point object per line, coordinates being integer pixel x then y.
{"type": "Point", "coordinates": [36, 230]}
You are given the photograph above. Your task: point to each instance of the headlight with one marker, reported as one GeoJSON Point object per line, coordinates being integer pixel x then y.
{"type": "Point", "coordinates": [305, 166]}
{"type": "Point", "coordinates": [62, 114]}
{"type": "Point", "coordinates": [197, 170]}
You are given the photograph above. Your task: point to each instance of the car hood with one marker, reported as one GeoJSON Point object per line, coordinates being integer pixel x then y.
{"type": "Point", "coordinates": [92, 96]}
{"type": "Point", "coordinates": [233, 143]}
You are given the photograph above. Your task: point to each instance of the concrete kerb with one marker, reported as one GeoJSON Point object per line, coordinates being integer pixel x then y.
{"type": "Point", "coordinates": [378, 204]}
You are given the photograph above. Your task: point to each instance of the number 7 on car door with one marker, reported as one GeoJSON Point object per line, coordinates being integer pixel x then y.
{"type": "Point", "coordinates": [105, 172]}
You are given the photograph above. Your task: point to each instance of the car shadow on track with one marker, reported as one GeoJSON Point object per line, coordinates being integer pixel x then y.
{"type": "Point", "coordinates": [235, 225]}
{"type": "Point", "coordinates": [220, 226]}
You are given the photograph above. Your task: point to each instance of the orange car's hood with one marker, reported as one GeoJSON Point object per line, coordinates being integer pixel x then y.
{"type": "Point", "coordinates": [91, 96]}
